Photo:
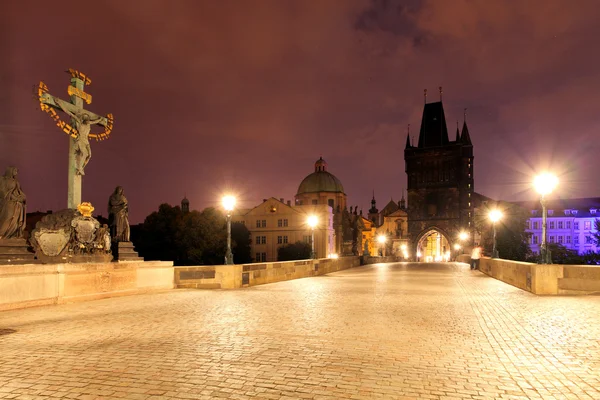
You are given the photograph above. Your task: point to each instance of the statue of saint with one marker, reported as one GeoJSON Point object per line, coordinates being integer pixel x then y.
{"type": "Point", "coordinates": [12, 206]}
{"type": "Point", "coordinates": [118, 216]}
{"type": "Point", "coordinates": [82, 147]}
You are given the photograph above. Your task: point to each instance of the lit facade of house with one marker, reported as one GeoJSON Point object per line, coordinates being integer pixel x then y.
{"type": "Point", "coordinates": [273, 224]}
{"type": "Point", "coordinates": [570, 222]}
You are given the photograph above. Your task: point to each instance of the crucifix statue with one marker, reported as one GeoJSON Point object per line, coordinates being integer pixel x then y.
{"type": "Point", "coordinates": [82, 120]}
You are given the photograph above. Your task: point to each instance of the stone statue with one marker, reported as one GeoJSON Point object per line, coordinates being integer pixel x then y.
{"type": "Point", "coordinates": [81, 141]}
{"type": "Point", "coordinates": [12, 205]}
{"type": "Point", "coordinates": [118, 216]}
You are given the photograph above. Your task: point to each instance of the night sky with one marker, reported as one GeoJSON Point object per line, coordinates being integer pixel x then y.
{"type": "Point", "coordinates": [244, 96]}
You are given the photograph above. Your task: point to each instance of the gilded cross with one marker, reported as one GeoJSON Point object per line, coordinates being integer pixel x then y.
{"type": "Point", "coordinates": [79, 129]}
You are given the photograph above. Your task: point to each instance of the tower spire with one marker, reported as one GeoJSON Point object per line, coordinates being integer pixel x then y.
{"type": "Point", "coordinates": [457, 133]}
{"type": "Point", "coordinates": [408, 138]}
{"type": "Point", "coordinates": [465, 138]}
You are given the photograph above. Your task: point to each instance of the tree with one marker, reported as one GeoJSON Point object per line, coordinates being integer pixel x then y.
{"type": "Point", "coordinates": [240, 243]}
{"type": "Point", "coordinates": [296, 251]}
{"type": "Point", "coordinates": [596, 235]}
{"type": "Point", "coordinates": [192, 238]}
{"type": "Point", "coordinates": [562, 255]}
{"type": "Point", "coordinates": [512, 241]}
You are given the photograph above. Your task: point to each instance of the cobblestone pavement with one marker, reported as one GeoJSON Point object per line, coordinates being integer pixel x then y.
{"type": "Point", "coordinates": [437, 331]}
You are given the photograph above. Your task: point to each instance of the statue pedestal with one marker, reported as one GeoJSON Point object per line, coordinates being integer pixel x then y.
{"type": "Point", "coordinates": [126, 252]}
{"type": "Point", "coordinates": [15, 251]}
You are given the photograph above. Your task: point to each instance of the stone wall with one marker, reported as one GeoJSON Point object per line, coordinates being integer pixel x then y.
{"type": "Point", "coordinates": [366, 260]}
{"type": "Point", "coordinates": [34, 285]}
{"type": "Point", "coordinates": [552, 279]}
{"type": "Point", "coordinates": [242, 275]}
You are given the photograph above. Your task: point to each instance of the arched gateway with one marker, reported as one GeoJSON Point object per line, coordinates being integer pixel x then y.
{"type": "Point", "coordinates": [433, 244]}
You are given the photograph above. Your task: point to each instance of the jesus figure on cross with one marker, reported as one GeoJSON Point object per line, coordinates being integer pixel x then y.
{"type": "Point", "coordinates": [81, 141]}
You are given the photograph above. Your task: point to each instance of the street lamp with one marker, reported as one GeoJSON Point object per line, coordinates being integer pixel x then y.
{"type": "Point", "coordinates": [462, 237]}
{"type": "Point", "coordinates": [495, 216]}
{"type": "Point", "coordinates": [228, 205]}
{"type": "Point", "coordinates": [382, 239]}
{"type": "Point", "coordinates": [544, 184]}
{"type": "Point", "coordinates": [312, 222]}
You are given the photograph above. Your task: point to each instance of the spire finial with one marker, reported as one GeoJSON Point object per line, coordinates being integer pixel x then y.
{"type": "Point", "coordinates": [465, 115]}
{"type": "Point", "coordinates": [425, 93]}
{"type": "Point", "coordinates": [441, 93]}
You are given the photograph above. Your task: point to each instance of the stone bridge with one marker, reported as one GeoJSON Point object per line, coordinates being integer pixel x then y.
{"type": "Point", "coordinates": [389, 331]}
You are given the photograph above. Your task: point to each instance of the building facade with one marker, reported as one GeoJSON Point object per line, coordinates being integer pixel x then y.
{"type": "Point", "coordinates": [440, 175]}
{"type": "Point", "coordinates": [274, 223]}
{"type": "Point", "coordinates": [570, 223]}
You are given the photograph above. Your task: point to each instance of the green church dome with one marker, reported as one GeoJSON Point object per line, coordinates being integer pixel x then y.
{"type": "Point", "coordinates": [320, 181]}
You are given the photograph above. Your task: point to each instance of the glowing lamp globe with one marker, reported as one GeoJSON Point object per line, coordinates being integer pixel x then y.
{"type": "Point", "coordinates": [381, 239]}
{"type": "Point", "coordinates": [545, 183]}
{"type": "Point", "coordinates": [228, 203]}
{"type": "Point", "coordinates": [495, 215]}
{"type": "Point", "coordinates": [312, 221]}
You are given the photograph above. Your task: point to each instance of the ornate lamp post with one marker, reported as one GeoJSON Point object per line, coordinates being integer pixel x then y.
{"type": "Point", "coordinates": [495, 216]}
{"type": "Point", "coordinates": [312, 222]}
{"type": "Point", "coordinates": [544, 184]}
{"type": "Point", "coordinates": [382, 239]}
{"type": "Point", "coordinates": [228, 205]}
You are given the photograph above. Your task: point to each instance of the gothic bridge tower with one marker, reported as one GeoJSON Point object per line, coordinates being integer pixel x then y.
{"type": "Point", "coordinates": [440, 185]}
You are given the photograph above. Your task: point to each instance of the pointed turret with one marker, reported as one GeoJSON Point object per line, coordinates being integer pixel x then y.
{"type": "Point", "coordinates": [402, 202]}
{"type": "Point", "coordinates": [373, 209]}
{"type": "Point", "coordinates": [408, 146]}
{"type": "Point", "coordinates": [457, 133]}
{"type": "Point", "coordinates": [465, 138]}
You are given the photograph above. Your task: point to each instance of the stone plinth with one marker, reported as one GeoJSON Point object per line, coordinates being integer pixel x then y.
{"type": "Point", "coordinates": [15, 251]}
{"type": "Point", "coordinates": [34, 285]}
{"type": "Point", "coordinates": [126, 252]}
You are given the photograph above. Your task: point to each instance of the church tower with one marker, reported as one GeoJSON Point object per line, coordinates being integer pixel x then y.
{"type": "Point", "coordinates": [440, 184]}
{"type": "Point", "coordinates": [185, 205]}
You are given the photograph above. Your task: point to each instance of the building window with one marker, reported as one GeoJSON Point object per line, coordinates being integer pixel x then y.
{"type": "Point", "coordinates": [593, 211]}
{"type": "Point", "coordinates": [551, 239]}
{"type": "Point", "coordinates": [588, 240]}
{"type": "Point", "coordinates": [264, 240]}
{"type": "Point", "coordinates": [258, 223]}
{"type": "Point", "coordinates": [279, 239]}
{"type": "Point", "coordinates": [568, 223]}
{"type": "Point", "coordinates": [551, 225]}
{"type": "Point", "coordinates": [533, 212]}
{"type": "Point", "coordinates": [536, 225]}
{"type": "Point", "coordinates": [574, 212]}
{"type": "Point", "coordinates": [535, 239]}
{"type": "Point", "coordinates": [567, 239]}
{"type": "Point", "coordinates": [587, 225]}
{"type": "Point", "coordinates": [550, 212]}
{"type": "Point", "coordinates": [257, 241]}
{"type": "Point", "coordinates": [285, 240]}
{"type": "Point", "coordinates": [314, 202]}
{"type": "Point", "coordinates": [264, 223]}
{"type": "Point", "coordinates": [576, 225]}
{"type": "Point", "coordinates": [285, 222]}
{"type": "Point", "coordinates": [567, 212]}
{"type": "Point", "coordinates": [330, 203]}
{"type": "Point", "coordinates": [279, 223]}
{"type": "Point", "coordinates": [257, 257]}
{"type": "Point", "coordinates": [263, 257]}
{"type": "Point", "coordinates": [560, 239]}
{"type": "Point", "coordinates": [306, 239]}
{"type": "Point", "coordinates": [560, 224]}
{"type": "Point", "coordinates": [527, 225]}
{"type": "Point", "coordinates": [576, 240]}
